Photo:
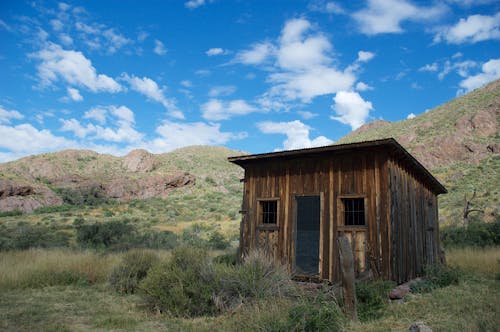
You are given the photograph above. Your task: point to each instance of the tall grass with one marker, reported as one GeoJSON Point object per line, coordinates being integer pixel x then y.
{"type": "Point", "coordinates": [479, 261]}
{"type": "Point", "coordinates": [39, 268]}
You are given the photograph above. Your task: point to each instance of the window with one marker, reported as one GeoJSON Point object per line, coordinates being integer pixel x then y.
{"type": "Point", "coordinates": [354, 211]}
{"type": "Point", "coordinates": [268, 212]}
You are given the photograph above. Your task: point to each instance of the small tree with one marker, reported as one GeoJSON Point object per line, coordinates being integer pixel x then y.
{"type": "Point", "coordinates": [467, 208]}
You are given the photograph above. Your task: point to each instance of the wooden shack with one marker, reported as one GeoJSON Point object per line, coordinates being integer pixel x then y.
{"type": "Point", "coordinates": [296, 202]}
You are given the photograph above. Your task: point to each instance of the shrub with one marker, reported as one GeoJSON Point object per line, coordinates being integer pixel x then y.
{"type": "Point", "coordinates": [258, 277]}
{"type": "Point", "coordinates": [320, 313]}
{"type": "Point", "coordinates": [226, 259]}
{"type": "Point", "coordinates": [182, 286]}
{"type": "Point", "coordinates": [92, 196]}
{"type": "Point", "coordinates": [112, 234]}
{"type": "Point", "coordinates": [478, 234]}
{"type": "Point", "coordinates": [53, 209]}
{"type": "Point", "coordinates": [156, 240]}
{"type": "Point", "coordinates": [133, 268]}
{"type": "Point", "coordinates": [436, 276]}
{"type": "Point", "coordinates": [12, 213]}
{"type": "Point", "coordinates": [217, 241]}
{"type": "Point", "coordinates": [372, 298]}
{"type": "Point", "coordinates": [24, 236]}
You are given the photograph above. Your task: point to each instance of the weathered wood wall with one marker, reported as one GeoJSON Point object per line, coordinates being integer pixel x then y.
{"type": "Point", "coordinates": [342, 176]}
{"type": "Point", "coordinates": [414, 224]}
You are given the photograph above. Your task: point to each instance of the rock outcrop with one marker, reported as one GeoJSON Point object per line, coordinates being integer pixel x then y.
{"type": "Point", "coordinates": [26, 198]}
{"type": "Point", "coordinates": [139, 161]}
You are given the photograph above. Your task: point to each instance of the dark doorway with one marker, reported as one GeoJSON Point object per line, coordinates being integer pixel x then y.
{"type": "Point", "coordinates": [307, 236]}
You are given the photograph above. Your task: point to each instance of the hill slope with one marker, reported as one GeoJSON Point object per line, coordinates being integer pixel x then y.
{"type": "Point", "coordinates": [459, 142]}
{"type": "Point", "coordinates": [86, 176]}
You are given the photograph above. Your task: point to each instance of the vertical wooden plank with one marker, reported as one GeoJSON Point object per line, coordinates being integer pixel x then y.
{"type": "Point", "coordinates": [378, 210]}
{"type": "Point", "coordinates": [331, 220]}
{"type": "Point", "coordinates": [322, 230]}
{"type": "Point", "coordinates": [287, 230]}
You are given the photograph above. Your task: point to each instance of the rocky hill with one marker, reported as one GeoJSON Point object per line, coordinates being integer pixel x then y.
{"type": "Point", "coordinates": [82, 176]}
{"type": "Point", "coordinates": [459, 142]}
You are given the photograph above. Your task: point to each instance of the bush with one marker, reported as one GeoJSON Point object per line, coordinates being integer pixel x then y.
{"type": "Point", "coordinates": [258, 277]}
{"type": "Point", "coordinates": [156, 240]}
{"type": "Point", "coordinates": [226, 259]}
{"type": "Point", "coordinates": [436, 276]}
{"type": "Point", "coordinates": [91, 196]}
{"type": "Point", "coordinates": [477, 234]}
{"type": "Point", "coordinates": [111, 234]}
{"type": "Point", "coordinates": [133, 268]}
{"type": "Point", "coordinates": [24, 236]}
{"type": "Point", "coordinates": [12, 213]}
{"type": "Point", "coordinates": [217, 241]}
{"type": "Point", "coordinates": [182, 286]}
{"type": "Point", "coordinates": [372, 298]}
{"type": "Point", "coordinates": [320, 313]}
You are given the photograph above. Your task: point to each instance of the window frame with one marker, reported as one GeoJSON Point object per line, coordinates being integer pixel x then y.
{"type": "Point", "coordinates": [341, 209]}
{"type": "Point", "coordinates": [260, 213]}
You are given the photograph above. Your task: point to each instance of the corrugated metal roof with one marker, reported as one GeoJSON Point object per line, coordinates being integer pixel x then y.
{"type": "Point", "coordinates": [389, 143]}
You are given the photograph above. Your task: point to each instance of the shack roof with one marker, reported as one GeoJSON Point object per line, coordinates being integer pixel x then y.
{"type": "Point", "coordinates": [388, 144]}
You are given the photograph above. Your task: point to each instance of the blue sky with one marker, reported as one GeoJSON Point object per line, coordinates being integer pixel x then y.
{"type": "Point", "coordinates": [256, 76]}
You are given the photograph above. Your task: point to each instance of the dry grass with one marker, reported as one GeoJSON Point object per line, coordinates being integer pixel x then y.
{"type": "Point", "coordinates": [479, 261]}
{"type": "Point", "coordinates": [39, 268]}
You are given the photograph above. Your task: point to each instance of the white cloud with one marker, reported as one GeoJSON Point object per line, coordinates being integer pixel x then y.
{"type": "Point", "coordinates": [6, 115]}
{"type": "Point", "coordinates": [122, 132]}
{"type": "Point", "coordinates": [297, 134]}
{"type": "Point", "coordinates": [159, 48]}
{"type": "Point", "coordinates": [100, 37]}
{"type": "Point", "coordinates": [186, 83]}
{"type": "Point", "coordinates": [329, 7]}
{"type": "Point", "coordinates": [5, 26]}
{"type": "Point", "coordinates": [26, 139]}
{"type": "Point", "coordinates": [65, 39]}
{"type": "Point", "coordinates": [428, 67]}
{"type": "Point", "coordinates": [462, 68]}
{"type": "Point", "coordinates": [215, 51]}
{"type": "Point", "coordinates": [257, 54]}
{"type": "Point", "coordinates": [411, 116]}
{"type": "Point", "coordinates": [314, 82]}
{"type": "Point", "coordinates": [365, 56]}
{"type": "Point", "coordinates": [74, 126]}
{"type": "Point", "coordinates": [351, 109]}
{"type": "Point", "coordinates": [303, 67]}
{"type": "Point", "coordinates": [222, 90]}
{"type": "Point", "coordinates": [74, 94]}
{"type": "Point", "coordinates": [175, 135]}
{"type": "Point", "coordinates": [360, 86]}
{"type": "Point", "coordinates": [193, 4]}
{"type": "Point", "coordinates": [473, 29]}
{"type": "Point", "coordinates": [63, 6]}
{"type": "Point", "coordinates": [386, 16]}
{"type": "Point", "coordinates": [150, 89]}
{"type": "Point", "coordinates": [72, 67]}
{"type": "Point", "coordinates": [490, 72]}
{"type": "Point", "coordinates": [216, 109]}
{"type": "Point", "coordinates": [56, 24]}
{"type": "Point", "coordinates": [96, 113]}
{"type": "Point", "coordinates": [115, 40]}
{"type": "Point", "coordinates": [300, 51]}
{"type": "Point", "coordinates": [203, 72]}
{"type": "Point", "coordinates": [142, 35]}
{"type": "Point", "coordinates": [307, 115]}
